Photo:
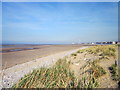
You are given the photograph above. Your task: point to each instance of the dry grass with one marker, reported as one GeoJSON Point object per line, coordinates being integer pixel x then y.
{"type": "Point", "coordinates": [60, 76]}
{"type": "Point", "coordinates": [101, 50]}
{"type": "Point", "coordinates": [97, 70]}
{"type": "Point", "coordinates": [114, 72]}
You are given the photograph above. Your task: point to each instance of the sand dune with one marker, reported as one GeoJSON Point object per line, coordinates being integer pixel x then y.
{"type": "Point", "coordinates": [13, 74]}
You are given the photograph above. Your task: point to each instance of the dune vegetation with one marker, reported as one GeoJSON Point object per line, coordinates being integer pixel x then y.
{"type": "Point", "coordinates": [58, 76]}
{"type": "Point", "coordinates": [61, 76]}
{"type": "Point", "coordinates": [114, 72]}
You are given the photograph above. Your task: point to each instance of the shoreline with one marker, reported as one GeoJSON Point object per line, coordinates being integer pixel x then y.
{"type": "Point", "coordinates": [10, 59]}
{"type": "Point", "coordinates": [13, 74]}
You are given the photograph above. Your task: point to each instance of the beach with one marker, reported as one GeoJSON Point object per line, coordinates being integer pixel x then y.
{"type": "Point", "coordinates": [10, 59]}
{"type": "Point", "coordinates": [59, 45]}
{"type": "Point", "coordinates": [13, 74]}
{"type": "Point", "coordinates": [80, 59]}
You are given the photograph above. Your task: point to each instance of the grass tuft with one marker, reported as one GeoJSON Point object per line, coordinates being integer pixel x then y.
{"type": "Point", "coordinates": [59, 76]}
{"type": "Point", "coordinates": [101, 50]}
{"type": "Point", "coordinates": [97, 70]}
{"type": "Point", "coordinates": [114, 72]}
{"type": "Point", "coordinates": [74, 54]}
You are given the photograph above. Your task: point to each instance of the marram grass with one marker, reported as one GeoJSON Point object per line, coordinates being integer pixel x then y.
{"type": "Point", "coordinates": [97, 70]}
{"type": "Point", "coordinates": [101, 50]}
{"type": "Point", "coordinates": [58, 76]}
{"type": "Point", "coordinates": [114, 72]}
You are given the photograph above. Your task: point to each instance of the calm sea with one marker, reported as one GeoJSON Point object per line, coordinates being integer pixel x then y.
{"type": "Point", "coordinates": [15, 45]}
{"type": "Point", "coordinates": [20, 45]}
{"type": "Point", "coordinates": [12, 47]}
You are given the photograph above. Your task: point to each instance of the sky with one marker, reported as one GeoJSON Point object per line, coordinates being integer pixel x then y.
{"type": "Point", "coordinates": [0, 23]}
{"type": "Point", "coordinates": [59, 22]}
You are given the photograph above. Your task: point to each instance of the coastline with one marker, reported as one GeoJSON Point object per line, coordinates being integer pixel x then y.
{"type": "Point", "coordinates": [13, 74]}
{"type": "Point", "coordinates": [10, 59]}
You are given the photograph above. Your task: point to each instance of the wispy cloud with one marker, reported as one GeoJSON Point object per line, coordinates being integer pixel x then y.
{"type": "Point", "coordinates": [59, 21]}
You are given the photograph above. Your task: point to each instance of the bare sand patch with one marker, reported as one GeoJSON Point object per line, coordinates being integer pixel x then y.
{"type": "Point", "coordinates": [13, 58]}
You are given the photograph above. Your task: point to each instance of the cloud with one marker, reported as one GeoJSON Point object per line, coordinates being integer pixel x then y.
{"type": "Point", "coordinates": [50, 21]}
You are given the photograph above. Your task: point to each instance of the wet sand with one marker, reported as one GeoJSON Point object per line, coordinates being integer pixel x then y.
{"type": "Point", "coordinates": [10, 59]}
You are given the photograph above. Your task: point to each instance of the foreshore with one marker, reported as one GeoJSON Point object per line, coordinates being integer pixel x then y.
{"type": "Point", "coordinates": [14, 73]}
{"type": "Point", "coordinates": [10, 59]}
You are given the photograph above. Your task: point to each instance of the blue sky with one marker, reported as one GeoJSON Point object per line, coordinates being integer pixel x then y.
{"type": "Point", "coordinates": [59, 22]}
{"type": "Point", "coordinates": [0, 23]}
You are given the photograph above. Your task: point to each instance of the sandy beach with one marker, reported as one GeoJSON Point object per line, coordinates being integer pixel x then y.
{"type": "Point", "coordinates": [81, 60]}
{"type": "Point", "coordinates": [10, 59]}
{"type": "Point", "coordinates": [13, 74]}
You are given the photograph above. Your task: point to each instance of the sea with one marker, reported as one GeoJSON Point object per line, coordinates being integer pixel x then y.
{"type": "Point", "coordinates": [18, 47]}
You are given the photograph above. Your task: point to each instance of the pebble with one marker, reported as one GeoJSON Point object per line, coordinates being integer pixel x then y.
{"type": "Point", "coordinates": [15, 73]}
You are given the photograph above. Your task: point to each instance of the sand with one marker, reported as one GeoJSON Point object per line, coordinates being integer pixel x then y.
{"type": "Point", "coordinates": [81, 60]}
{"type": "Point", "coordinates": [13, 74]}
{"type": "Point", "coordinates": [10, 59]}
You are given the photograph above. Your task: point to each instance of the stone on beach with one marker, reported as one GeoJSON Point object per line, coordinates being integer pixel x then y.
{"type": "Point", "coordinates": [13, 74]}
